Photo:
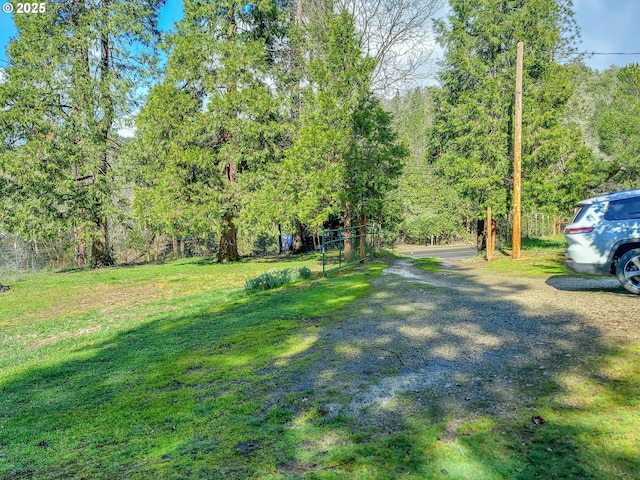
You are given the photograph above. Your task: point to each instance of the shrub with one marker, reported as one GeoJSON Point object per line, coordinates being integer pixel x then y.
{"type": "Point", "coordinates": [277, 278]}
{"type": "Point", "coordinates": [305, 273]}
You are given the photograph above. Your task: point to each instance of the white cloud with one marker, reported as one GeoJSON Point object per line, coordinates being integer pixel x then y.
{"type": "Point", "coordinates": [126, 127]}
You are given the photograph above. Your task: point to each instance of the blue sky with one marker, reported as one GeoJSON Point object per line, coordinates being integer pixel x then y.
{"type": "Point", "coordinates": [607, 26]}
{"type": "Point", "coordinates": [171, 12]}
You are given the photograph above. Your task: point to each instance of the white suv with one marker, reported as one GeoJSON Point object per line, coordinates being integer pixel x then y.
{"type": "Point", "coordinates": [604, 238]}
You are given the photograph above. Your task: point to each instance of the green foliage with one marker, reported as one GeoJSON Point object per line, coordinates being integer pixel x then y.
{"type": "Point", "coordinates": [305, 273]}
{"type": "Point", "coordinates": [71, 76]}
{"type": "Point", "coordinates": [617, 122]}
{"type": "Point", "coordinates": [256, 123]}
{"type": "Point", "coordinates": [214, 120]}
{"type": "Point", "coordinates": [470, 142]}
{"type": "Point", "coordinates": [277, 278]}
{"type": "Point", "coordinates": [345, 156]}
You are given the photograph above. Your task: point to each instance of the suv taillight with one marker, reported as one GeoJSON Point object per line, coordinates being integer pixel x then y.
{"type": "Point", "coordinates": [578, 230]}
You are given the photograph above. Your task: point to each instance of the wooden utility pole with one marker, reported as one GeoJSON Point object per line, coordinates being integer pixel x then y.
{"type": "Point", "coordinates": [517, 160]}
{"type": "Point", "coordinates": [489, 240]}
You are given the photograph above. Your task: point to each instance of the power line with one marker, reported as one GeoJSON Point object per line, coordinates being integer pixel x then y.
{"type": "Point", "coordinates": [608, 53]}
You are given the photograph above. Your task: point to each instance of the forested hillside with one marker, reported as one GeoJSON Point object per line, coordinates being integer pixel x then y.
{"type": "Point", "coordinates": [255, 121]}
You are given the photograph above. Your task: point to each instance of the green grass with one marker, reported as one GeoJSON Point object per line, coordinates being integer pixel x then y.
{"type": "Point", "coordinates": [427, 264]}
{"type": "Point", "coordinates": [538, 257]}
{"type": "Point", "coordinates": [173, 371]}
{"type": "Point", "coordinates": [158, 370]}
{"type": "Point", "coordinates": [589, 430]}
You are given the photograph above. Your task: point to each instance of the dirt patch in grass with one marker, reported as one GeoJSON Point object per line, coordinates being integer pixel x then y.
{"type": "Point", "coordinates": [104, 299]}
{"type": "Point", "coordinates": [64, 335]}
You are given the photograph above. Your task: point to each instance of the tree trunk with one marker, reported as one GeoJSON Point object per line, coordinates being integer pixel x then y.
{"type": "Point", "coordinates": [494, 233]}
{"type": "Point", "coordinates": [101, 255]}
{"type": "Point", "coordinates": [280, 249]}
{"type": "Point", "coordinates": [348, 233]}
{"type": "Point", "coordinates": [80, 75]}
{"type": "Point", "coordinates": [363, 237]}
{"type": "Point", "coordinates": [297, 244]}
{"type": "Point", "coordinates": [228, 251]}
{"type": "Point", "coordinates": [80, 249]}
{"type": "Point", "coordinates": [481, 235]}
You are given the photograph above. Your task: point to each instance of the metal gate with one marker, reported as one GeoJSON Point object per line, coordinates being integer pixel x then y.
{"type": "Point", "coordinates": [346, 246]}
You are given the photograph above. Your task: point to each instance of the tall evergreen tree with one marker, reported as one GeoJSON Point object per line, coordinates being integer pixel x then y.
{"type": "Point", "coordinates": [72, 74]}
{"type": "Point", "coordinates": [345, 156]}
{"type": "Point", "coordinates": [427, 208]}
{"type": "Point", "coordinates": [220, 82]}
{"type": "Point", "coordinates": [470, 143]}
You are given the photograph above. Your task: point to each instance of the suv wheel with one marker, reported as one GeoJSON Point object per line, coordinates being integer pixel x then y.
{"type": "Point", "coordinates": [628, 271]}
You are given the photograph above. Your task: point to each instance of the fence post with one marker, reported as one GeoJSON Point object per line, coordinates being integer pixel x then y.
{"type": "Point", "coordinates": [323, 258]}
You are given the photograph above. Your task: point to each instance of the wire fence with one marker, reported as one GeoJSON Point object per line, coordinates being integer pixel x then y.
{"type": "Point", "coordinates": [346, 246]}
{"type": "Point", "coordinates": [18, 255]}
{"type": "Point", "coordinates": [340, 247]}
{"type": "Point", "coordinates": [533, 225]}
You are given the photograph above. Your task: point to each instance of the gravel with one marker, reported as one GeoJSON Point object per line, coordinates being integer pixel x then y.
{"type": "Point", "coordinates": [465, 340]}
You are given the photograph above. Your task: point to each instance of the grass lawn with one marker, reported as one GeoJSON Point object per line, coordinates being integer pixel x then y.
{"type": "Point", "coordinates": [538, 257]}
{"type": "Point", "coordinates": [173, 371]}
{"type": "Point", "coordinates": [152, 371]}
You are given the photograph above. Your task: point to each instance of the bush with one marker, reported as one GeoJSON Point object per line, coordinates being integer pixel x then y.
{"type": "Point", "coordinates": [305, 273]}
{"type": "Point", "coordinates": [277, 278]}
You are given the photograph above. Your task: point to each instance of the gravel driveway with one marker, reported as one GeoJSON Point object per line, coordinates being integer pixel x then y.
{"type": "Point", "coordinates": [464, 340]}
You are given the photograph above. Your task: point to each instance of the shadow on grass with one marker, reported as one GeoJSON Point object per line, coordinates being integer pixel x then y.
{"type": "Point", "coordinates": [413, 381]}
{"type": "Point", "coordinates": [531, 243]}
{"type": "Point", "coordinates": [280, 258]}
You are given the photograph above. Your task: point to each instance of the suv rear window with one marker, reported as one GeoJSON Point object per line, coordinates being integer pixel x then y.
{"type": "Point", "coordinates": [580, 213]}
{"type": "Point", "coordinates": [623, 209]}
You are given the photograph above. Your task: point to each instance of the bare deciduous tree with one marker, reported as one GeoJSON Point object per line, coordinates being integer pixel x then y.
{"type": "Point", "coordinates": [397, 33]}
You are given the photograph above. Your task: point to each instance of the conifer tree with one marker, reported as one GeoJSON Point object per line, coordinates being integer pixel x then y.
{"type": "Point", "coordinates": [221, 84]}
{"type": "Point", "coordinates": [345, 156]}
{"type": "Point", "coordinates": [617, 122]}
{"type": "Point", "coordinates": [471, 140]}
{"type": "Point", "coordinates": [73, 71]}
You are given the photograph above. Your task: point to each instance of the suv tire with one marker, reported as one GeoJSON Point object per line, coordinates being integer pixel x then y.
{"type": "Point", "coordinates": [628, 271]}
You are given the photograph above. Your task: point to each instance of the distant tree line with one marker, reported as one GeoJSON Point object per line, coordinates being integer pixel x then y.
{"type": "Point", "coordinates": [254, 119]}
